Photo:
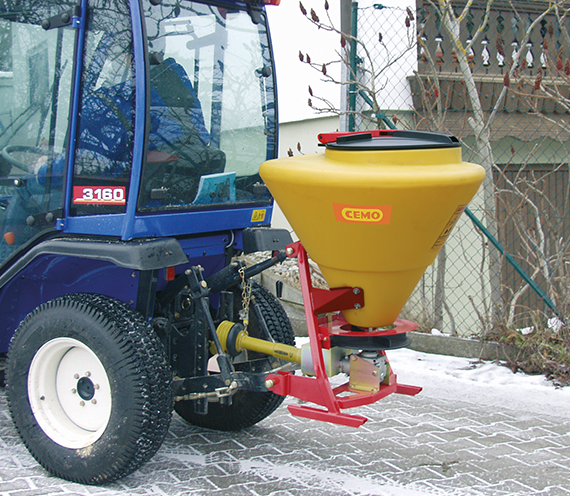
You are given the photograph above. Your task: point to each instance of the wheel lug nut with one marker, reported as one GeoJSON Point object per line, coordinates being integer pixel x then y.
{"type": "Point", "coordinates": [73, 391]}
{"type": "Point", "coordinates": [76, 376]}
{"type": "Point", "coordinates": [94, 401]}
{"type": "Point", "coordinates": [95, 386]}
{"type": "Point", "coordinates": [82, 403]}
{"type": "Point", "coordinates": [87, 374]}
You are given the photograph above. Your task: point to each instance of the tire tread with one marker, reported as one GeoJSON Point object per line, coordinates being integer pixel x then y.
{"type": "Point", "coordinates": [142, 363]}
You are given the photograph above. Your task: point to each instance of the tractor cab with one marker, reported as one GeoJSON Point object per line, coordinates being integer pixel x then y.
{"type": "Point", "coordinates": [133, 119]}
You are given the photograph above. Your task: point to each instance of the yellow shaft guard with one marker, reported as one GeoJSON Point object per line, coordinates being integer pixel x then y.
{"type": "Point", "coordinates": [374, 219]}
{"type": "Point", "coordinates": [245, 342]}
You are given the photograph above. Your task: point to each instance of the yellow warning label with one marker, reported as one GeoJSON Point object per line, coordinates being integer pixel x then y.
{"type": "Point", "coordinates": [448, 228]}
{"type": "Point", "coordinates": [258, 215]}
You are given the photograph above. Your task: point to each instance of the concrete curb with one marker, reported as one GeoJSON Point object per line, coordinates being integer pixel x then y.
{"type": "Point", "coordinates": [292, 302]}
{"type": "Point", "coordinates": [461, 347]}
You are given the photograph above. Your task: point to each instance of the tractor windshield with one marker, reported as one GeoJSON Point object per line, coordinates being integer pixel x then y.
{"type": "Point", "coordinates": [212, 112]}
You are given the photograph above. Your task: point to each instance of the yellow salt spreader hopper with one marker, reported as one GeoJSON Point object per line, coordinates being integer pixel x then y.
{"type": "Point", "coordinates": [373, 211]}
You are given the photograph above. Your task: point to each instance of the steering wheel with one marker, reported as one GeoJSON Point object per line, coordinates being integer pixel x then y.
{"type": "Point", "coordinates": [8, 151]}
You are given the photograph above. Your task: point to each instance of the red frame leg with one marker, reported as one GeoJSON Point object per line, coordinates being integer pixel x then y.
{"type": "Point", "coordinates": [318, 389]}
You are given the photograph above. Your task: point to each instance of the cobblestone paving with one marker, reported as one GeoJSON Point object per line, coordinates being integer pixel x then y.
{"type": "Point", "coordinates": [411, 446]}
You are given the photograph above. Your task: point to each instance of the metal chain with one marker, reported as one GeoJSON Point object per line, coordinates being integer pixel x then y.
{"type": "Point", "coordinates": [245, 298]}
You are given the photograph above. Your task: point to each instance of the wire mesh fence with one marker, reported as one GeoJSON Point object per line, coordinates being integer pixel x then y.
{"type": "Point", "coordinates": [499, 80]}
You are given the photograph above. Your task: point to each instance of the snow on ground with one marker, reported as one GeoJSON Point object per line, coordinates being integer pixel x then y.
{"type": "Point", "coordinates": [482, 383]}
{"type": "Point", "coordinates": [477, 382]}
{"type": "Point", "coordinates": [344, 483]}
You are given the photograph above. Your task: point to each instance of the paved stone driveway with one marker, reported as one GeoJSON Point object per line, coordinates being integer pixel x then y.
{"type": "Point", "coordinates": [440, 442]}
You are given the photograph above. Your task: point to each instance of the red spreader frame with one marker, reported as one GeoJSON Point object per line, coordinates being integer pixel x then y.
{"type": "Point", "coordinates": [318, 389]}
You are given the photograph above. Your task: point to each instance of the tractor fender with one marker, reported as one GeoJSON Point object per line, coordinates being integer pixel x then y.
{"type": "Point", "coordinates": [146, 254]}
{"type": "Point", "coordinates": [58, 266]}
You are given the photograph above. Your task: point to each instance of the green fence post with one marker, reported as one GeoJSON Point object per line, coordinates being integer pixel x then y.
{"type": "Point", "coordinates": [353, 67]}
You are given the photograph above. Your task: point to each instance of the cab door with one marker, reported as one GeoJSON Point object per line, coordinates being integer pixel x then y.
{"type": "Point", "coordinates": [37, 51]}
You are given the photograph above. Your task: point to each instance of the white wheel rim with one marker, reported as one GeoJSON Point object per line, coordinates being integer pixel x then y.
{"type": "Point", "coordinates": [69, 393]}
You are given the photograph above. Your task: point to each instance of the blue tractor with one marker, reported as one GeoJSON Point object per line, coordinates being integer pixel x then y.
{"type": "Point", "coordinates": [131, 138]}
{"type": "Point", "coordinates": [131, 133]}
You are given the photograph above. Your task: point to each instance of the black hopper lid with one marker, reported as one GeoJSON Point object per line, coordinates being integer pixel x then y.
{"type": "Point", "coordinates": [398, 140]}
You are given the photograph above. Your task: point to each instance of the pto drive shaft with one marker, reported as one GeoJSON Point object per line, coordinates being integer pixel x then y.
{"type": "Point", "coordinates": [234, 339]}
{"type": "Point", "coordinates": [366, 369]}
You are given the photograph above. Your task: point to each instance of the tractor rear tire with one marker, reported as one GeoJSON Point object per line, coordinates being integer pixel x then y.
{"type": "Point", "coordinates": [247, 407]}
{"type": "Point", "coordinates": [89, 388]}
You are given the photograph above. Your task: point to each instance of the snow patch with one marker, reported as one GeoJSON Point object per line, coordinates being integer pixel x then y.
{"type": "Point", "coordinates": [316, 479]}
{"type": "Point", "coordinates": [477, 382]}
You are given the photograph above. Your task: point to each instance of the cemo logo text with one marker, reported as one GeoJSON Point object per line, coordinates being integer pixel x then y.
{"type": "Point", "coordinates": [362, 214]}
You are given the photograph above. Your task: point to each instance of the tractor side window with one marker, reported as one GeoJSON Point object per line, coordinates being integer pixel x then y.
{"type": "Point", "coordinates": [103, 153]}
{"type": "Point", "coordinates": [211, 111]}
{"type": "Point", "coordinates": [36, 67]}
